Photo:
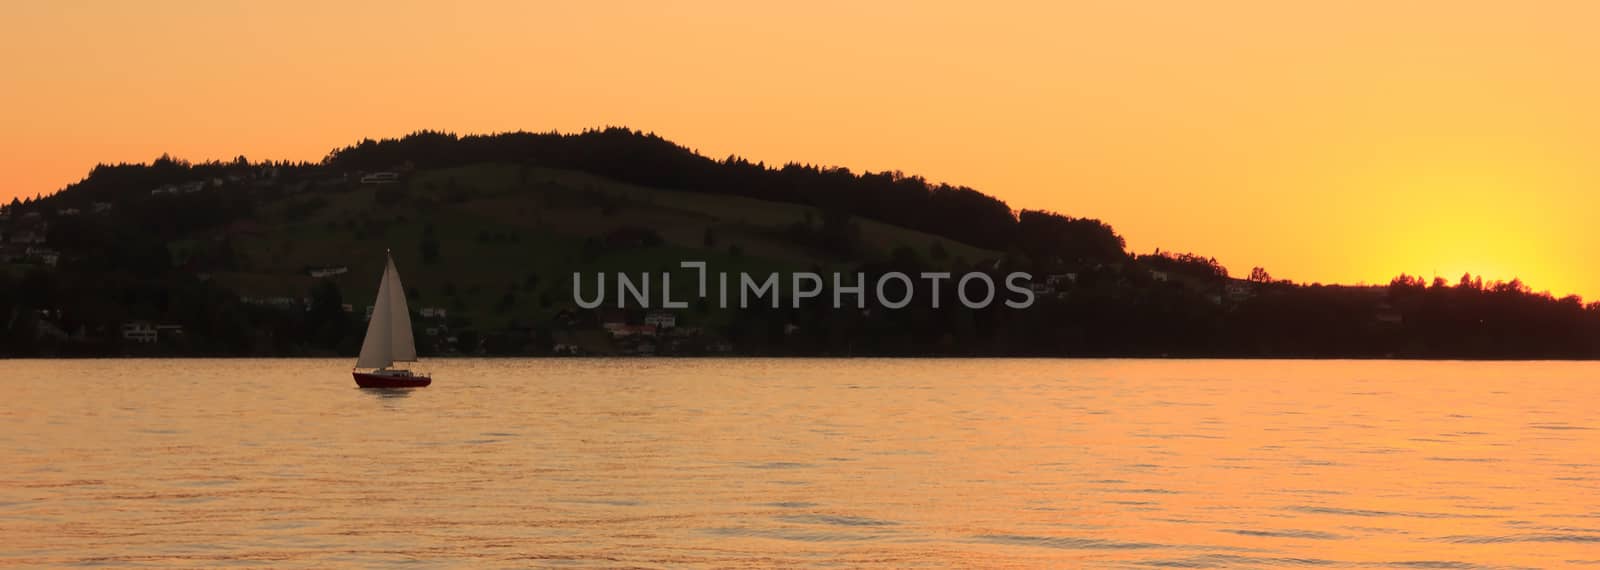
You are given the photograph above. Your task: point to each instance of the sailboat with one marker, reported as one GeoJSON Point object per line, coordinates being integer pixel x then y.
{"type": "Point", "coordinates": [388, 339]}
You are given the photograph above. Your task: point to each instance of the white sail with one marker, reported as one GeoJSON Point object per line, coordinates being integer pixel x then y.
{"type": "Point", "coordinates": [402, 348]}
{"type": "Point", "coordinates": [389, 332]}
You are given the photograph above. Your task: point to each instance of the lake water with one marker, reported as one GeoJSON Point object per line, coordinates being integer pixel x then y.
{"type": "Point", "coordinates": [786, 463]}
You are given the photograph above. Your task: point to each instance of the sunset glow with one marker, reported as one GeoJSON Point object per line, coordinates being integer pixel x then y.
{"type": "Point", "coordinates": [1336, 143]}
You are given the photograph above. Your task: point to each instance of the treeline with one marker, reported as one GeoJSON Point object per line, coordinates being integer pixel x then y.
{"type": "Point", "coordinates": [956, 212]}
{"type": "Point", "coordinates": [77, 313]}
{"type": "Point", "coordinates": [121, 266]}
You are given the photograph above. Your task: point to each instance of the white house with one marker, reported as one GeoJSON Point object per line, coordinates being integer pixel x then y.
{"type": "Point", "coordinates": [320, 272]}
{"type": "Point", "coordinates": [381, 178]}
{"type": "Point", "coordinates": [139, 331]}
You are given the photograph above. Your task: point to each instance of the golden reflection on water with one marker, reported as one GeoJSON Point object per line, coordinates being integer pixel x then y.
{"type": "Point", "coordinates": [761, 463]}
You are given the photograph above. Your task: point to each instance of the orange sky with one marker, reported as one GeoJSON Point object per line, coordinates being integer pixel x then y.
{"type": "Point", "coordinates": [1343, 142]}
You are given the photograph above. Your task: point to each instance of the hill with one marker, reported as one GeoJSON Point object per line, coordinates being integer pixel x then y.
{"type": "Point", "coordinates": [248, 258]}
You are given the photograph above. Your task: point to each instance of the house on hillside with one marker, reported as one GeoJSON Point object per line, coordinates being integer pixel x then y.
{"type": "Point", "coordinates": [1238, 291]}
{"type": "Point", "coordinates": [381, 178]}
{"type": "Point", "coordinates": [1062, 280]}
{"type": "Point", "coordinates": [68, 212]}
{"type": "Point", "coordinates": [661, 319]}
{"type": "Point", "coordinates": [100, 207]}
{"type": "Point", "coordinates": [139, 331]}
{"type": "Point", "coordinates": [43, 255]}
{"type": "Point", "coordinates": [320, 272]}
{"type": "Point", "coordinates": [619, 330]}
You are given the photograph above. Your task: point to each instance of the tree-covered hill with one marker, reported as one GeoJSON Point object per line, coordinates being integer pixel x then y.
{"type": "Point", "coordinates": [276, 258]}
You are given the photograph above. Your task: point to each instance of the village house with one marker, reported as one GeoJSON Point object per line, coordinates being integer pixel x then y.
{"type": "Point", "coordinates": [274, 302]}
{"type": "Point", "coordinates": [139, 331]}
{"type": "Point", "coordinates": [43, 255]}
{"type": "Point", "coordinates": [320, 272]}
{"type": "Point", "coordinates": [685, 331]}
{"type": "Point", "coordinates": [623, 330]}
{"type": "Point", "coordinates": [1062, 280]}
{"type": "Point", "coordinates": [1239, 291]}
{"type": "Point", "coordinates": [381, 178]}
{"type": "Point", "coordinates": [661, 319]}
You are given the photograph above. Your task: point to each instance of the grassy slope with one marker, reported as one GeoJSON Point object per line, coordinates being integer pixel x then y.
{"type": "Point", "coordinates": [538, 220]}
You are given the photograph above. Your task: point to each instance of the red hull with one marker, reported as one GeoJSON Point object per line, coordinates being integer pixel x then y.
{"type": "Point", "coordinates": [365, 380]}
